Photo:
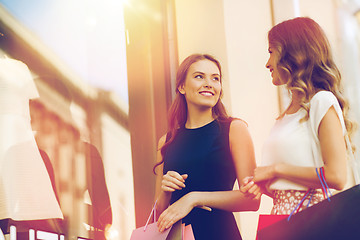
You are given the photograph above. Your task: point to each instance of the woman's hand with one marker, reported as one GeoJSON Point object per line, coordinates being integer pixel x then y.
{"type": "Point", "coordinates": [178, 210]}
{"type": "Point", "coordinates": [250, 189]}
{"type": "Point", "coordinates": [264, 173]}
{"type": "Point", "coordinates": [173, 181]}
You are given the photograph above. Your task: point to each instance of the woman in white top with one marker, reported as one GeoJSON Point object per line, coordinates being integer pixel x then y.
{"type": "Point", "coordinates": [309, 134]}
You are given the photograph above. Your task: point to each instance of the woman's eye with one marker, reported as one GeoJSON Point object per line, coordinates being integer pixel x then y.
{"type": "Point", "coordinates": [199, 76]}
{"type": "Point", "coordinates": [216, 79]}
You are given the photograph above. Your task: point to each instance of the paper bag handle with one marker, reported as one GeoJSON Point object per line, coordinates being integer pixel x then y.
{"type": "Point", "coordinates": [153, 210]}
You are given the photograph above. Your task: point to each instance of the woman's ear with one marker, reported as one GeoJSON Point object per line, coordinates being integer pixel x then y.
{"type": "Point", "coordinates": [181, 90]}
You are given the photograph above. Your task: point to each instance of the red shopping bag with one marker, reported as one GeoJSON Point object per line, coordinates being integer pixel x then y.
{"type": "Point", "coordinates": [266, 220]}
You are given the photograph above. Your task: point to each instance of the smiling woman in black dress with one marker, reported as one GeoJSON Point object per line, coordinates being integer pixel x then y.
{"type": "Point", "coordinates": [202, 155]}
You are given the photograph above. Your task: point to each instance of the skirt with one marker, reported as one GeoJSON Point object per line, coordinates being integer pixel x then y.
{"type": "Point", "coordinates": [285, 201]}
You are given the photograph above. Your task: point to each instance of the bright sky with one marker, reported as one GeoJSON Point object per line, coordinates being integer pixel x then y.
{"type": "Point", "coordinates": [89, 35]}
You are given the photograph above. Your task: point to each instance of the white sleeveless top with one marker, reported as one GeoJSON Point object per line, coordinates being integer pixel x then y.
{"type": "Point", "coordinates": [297, 143]}
{"type": "Point", "coordinates": [26, 192]}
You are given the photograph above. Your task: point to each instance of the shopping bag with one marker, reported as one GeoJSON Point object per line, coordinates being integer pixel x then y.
{"type": "Point", "coordinates": [151, 231]}
{"type": "Point", "coordinates": [187, 232]}
{"type": "Point", "coordinates": [266, 220]}
{"type": "Point", "coordinates": [338, 218]}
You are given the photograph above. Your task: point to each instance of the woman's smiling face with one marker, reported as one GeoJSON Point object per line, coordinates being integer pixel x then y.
{"type": "Point", "coordinates": [202, 85]}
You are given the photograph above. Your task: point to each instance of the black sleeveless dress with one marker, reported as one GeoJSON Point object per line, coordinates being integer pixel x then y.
{"type": "Point", "coordinates": [204, 154]}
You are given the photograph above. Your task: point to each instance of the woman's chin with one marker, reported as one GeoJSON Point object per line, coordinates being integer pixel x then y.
{"type": "Point", "coordinates": [277, 82]}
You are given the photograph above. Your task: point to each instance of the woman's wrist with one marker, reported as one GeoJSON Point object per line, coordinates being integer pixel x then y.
{"type": "Point", "coordinates": [194, 198]}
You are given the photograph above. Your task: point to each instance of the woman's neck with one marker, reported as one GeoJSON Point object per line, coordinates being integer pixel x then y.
{"type": "Point", "coordinates": [198, 118]}
{"type": "Point", "coordinates": [294, 105]}
{"type": "Point", "coordinates": [296, 97]}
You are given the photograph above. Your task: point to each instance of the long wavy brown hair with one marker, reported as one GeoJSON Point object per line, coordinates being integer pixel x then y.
{"type": "Point", "coordinates": [177, 114]}
{"type": "Point", "coordinates": [306, 63]}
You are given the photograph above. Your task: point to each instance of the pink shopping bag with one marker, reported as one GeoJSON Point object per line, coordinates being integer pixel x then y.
{"type": "Point", "coordinates": [187, 232]}
{"type": "Point", "coordinates": [151, 231]}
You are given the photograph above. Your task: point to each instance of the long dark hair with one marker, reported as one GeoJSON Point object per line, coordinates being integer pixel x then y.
{"type": "Point", "coordinates": [177, 114]}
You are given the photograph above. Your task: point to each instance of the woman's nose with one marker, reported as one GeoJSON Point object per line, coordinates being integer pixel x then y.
{"type": "Point", "coordinates": [208, 82]}
{"type": "Point", "coordinates": [267, 65]}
